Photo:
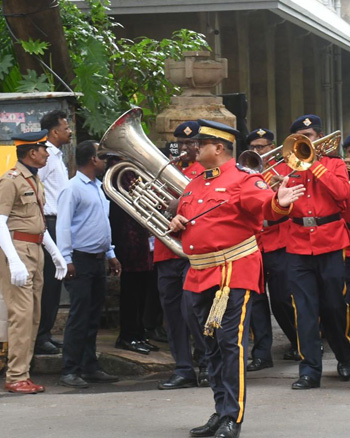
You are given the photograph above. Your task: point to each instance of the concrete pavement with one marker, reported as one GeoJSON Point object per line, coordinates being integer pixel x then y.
{"type": "Point", "coordinates": [134, 407]}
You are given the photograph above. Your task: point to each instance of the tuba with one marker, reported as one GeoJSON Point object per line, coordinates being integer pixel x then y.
{"type": "Point", "coordinates": [156, 184]}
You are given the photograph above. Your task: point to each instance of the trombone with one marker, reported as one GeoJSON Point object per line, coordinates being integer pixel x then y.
{"type": "Point", "coordinates": [297, 151]}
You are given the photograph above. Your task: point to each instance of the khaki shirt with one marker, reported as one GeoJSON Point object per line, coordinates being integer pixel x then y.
{"type": "Point", "coordinates": [18, 200]}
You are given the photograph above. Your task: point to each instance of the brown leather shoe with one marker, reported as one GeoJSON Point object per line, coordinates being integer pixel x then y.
{"type": "Point", "coordinates": [40, 388]}
{"type": "Point", "coordinates": [22, 387]}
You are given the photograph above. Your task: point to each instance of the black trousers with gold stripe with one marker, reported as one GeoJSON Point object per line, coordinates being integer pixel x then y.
{"type": "Point", "coordinates": [317, 285]}
{"type": "Point", "coordinates": [227, 351]}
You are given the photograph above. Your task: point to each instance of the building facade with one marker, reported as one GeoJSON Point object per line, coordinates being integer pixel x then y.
{"type": "Point", "coordinates": [290, 57]}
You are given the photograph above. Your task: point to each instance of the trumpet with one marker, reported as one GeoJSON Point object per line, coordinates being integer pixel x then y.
{"type": "Point", "coordinates": [297, 151]}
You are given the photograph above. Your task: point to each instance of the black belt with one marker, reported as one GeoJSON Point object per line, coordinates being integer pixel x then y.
{"type": "Point", "coordinates": [98, 256]}
{"type": "Point", "coordinates": [316, 221]}
{"type": "Point", "coordinates": [270, 223]}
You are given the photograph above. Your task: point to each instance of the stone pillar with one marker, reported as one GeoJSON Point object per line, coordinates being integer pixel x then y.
{"type": "Point", "coordinates": [197, 74]}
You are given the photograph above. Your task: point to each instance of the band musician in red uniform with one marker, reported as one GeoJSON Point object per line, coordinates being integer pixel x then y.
{"type": "Point", "coordinates": [226, 264]}
{"type": "Point", "coordinates": [317, 236]}
{"type": "Point", "coordinates": [272, 240]}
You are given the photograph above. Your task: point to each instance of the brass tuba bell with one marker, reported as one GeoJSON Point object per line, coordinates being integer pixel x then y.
{"type": "Point", "coordinates": [157, 182]}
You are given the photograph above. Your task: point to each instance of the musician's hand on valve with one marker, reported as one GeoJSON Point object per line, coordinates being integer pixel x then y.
{"type": "Point", "coordinates": [275, 182]}
{"type": "Point", "coordinates": [178, 223]}
{"type": "Point", "coordinates": [287, 195]}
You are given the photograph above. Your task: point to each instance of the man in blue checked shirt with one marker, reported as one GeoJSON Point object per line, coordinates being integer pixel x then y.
{"type": "Point", "coordinates": [84, 239]}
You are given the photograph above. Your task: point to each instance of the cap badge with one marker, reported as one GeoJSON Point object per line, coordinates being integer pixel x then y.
{"type": "Point", "coordinates": [261, 132]}
{"type": "Point", "coordinates": [307, 122]}
{"type": "Point", "coordinates": [188, 130]}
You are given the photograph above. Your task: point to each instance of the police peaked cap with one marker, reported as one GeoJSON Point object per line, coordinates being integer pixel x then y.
{"type": "Point", "coordinates": [186, 130]}
{"type": "Point", "coordinates": [305, 122]}
{"type": "Point", "coordinates": [260, 133]}
{"type": "Point", "coordinates": [28, 138]}
{"type": "Point", "coordinates": [211, 130]}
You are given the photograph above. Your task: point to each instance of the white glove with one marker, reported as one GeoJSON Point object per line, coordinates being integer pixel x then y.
{"type": "Point", "coordinates": [58, 260]}
{"type": "Point", "coordinates": [18, 270]}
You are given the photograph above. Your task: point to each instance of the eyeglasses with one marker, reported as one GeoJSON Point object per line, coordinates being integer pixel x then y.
{"type": "Point", "coordinates": [187, 143]}
{"type": "Point", "coordinates": [259, 147]}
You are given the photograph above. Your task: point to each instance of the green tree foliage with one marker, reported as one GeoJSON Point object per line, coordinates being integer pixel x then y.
{"type": "Point", "coordinates": [112, 74]}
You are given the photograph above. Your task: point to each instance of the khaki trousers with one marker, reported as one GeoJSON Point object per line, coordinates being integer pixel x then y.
{"type": "Point", "coordinates": [23, 305]}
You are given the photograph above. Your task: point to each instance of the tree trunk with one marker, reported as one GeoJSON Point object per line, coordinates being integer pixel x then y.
{"type": "Point", "coordinates": [39, 19]}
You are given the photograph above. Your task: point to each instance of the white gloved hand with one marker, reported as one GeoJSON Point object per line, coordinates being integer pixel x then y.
{"type": "Point", "coordinates": [19, 273]}
{"type": "Point", "coordinates": [18, 270]}
{"type": "Point", "coordinates": [58, 260]}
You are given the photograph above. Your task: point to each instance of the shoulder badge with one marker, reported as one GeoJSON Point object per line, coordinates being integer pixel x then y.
{"type": "Point", "coordinates": [12, 173]}
{"type": "Point", "coordinates": [261, 184]}
{"type": "Point", "coordinates": [246, 169]}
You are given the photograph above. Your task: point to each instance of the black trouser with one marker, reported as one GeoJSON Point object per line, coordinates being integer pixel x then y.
{"type": "Point", "coordinates": [317, 283]}
{"type": "Point", "coordinates": [134, 287]}
{"type": "Point", "coordinates": [87, 297]}
{"type": "Point", "coordinates": [50, 298]}
{"type": "Point", "coordinates": [179, 319]}
{"type": "Point", "coordinates": [153, 314]}
{"type": "Point", "coordinates": [227, 351]}
{"type": "Point", "coordinates": [276, 276]}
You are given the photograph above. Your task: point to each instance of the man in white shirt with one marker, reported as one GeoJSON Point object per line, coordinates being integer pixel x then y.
{"type": "Point", "coordinates": [54, 176]}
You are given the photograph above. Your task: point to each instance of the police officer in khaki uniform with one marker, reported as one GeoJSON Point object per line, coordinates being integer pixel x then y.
{"type": "Point", "coordinates": [22, 232]}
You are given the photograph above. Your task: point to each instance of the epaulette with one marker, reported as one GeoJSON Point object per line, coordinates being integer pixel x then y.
{"type": "Point", "coordinates": [12, 173]}
{"type": "Point", "coordinates": [246, 169]}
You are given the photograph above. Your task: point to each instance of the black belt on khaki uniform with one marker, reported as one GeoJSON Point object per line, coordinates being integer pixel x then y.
{"type": "Point", "coordinates": [98, 256]}
{"type": "Point", "coordinates": [270, 223]}
{"type": "Point", "coordinates": [316, 221]}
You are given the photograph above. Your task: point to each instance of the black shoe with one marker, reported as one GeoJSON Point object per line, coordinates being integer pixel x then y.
{"type": "Point", "coordinates": [228, 429]}
{"type": "Point", "coordinates": [158, 334]}
{"type": "Point", "coordinates": [203, 377]}
{"type": "Point", "coordinates": [56, 342]}
{"type": "Point", "coordinates": [259, 364]}
{"type": "Point", "coordinates": [73, 381]}
{"type": "Point", "coordinates": [136, 346]}
{"type": "Point", "coordinates": [305, 382]}
{"type": "Point", "coordinates": [150, 346]}
{"type": "Point", "coordinates": [177, 382]}
{"type": "Point", "coordinates": [292, 354]}
{"type": "Point", "coordinates": [344, 370]}
{"type": "Point", "coordinates": [209, 428]}
{"type": "Point", "coordinates": [99, 376]}
{"type": "Point", "coordinates": [46, 348]}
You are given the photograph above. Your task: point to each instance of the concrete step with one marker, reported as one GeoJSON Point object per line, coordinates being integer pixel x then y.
{"type": "Point", "coordinates": [113, 360]}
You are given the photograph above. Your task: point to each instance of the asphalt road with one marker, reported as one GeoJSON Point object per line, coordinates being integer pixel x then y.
{"type": "Point", "coordinates": [136, 408]}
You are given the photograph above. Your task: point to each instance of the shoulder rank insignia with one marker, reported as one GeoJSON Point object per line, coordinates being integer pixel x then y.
{"type": "Point", "coordinates": [245, 169]}
{"type": "Point", "coordinates": [261, 184]}
{"type": "Point", "coordinates": [212, 173]}
{"type": "Point", "coordinates": [12, 173]}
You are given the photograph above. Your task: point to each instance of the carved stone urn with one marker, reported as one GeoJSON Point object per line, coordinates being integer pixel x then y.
{"type": "Point", "coordinates": [197, 74]}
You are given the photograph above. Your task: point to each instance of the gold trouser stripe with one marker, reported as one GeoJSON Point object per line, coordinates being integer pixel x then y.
{"type": "Point", "coordinates": [241, 368]}
{"type": "Point", "coordinates": [217, 258]}
{"type": "Point", "coordinates": [296, 324]}
{"type": "Point", "coordinates": [347, 322]}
